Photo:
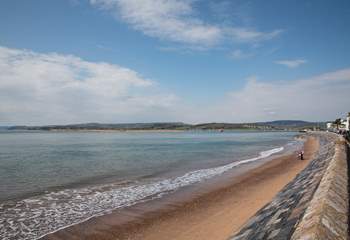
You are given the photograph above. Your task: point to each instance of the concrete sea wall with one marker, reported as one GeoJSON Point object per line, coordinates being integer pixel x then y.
{"type": "Point", "coordinates": [314, 206]}
{"type": "Point", "coordinates": [327, 214]}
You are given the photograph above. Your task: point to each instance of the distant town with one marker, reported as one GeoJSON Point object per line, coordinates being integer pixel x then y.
{"type": "Point", "coordinates": [340, 125]}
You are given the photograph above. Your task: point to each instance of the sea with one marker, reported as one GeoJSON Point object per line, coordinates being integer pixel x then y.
{"type": "Point", "coordinates": [51, 180]}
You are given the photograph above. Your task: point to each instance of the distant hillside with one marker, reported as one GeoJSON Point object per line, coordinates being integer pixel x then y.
{"type": "Point", "coordinates": [102, 126]}
{"type": "Point", "coordinates": [286, 123]}
{"type": "Point", "coordinates": [294, 123]}
{"type": "Point", "coordinates": [273, 125]}
{"type": "Point", "coordinates": [220, 126]}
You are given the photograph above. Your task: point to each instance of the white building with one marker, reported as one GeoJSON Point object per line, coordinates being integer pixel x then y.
{"type": "Point", "coordinates": [329, 126]}
{"type": "Point", "coordinates": [344, 125]}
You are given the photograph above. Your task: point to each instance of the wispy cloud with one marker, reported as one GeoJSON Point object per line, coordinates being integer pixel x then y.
{"type": "Point", "coordinates": [320, 97]}
{"type": "Point", "coordinates": [164, 19]}
{"type": "Point", "coordinates": [54, 88]}
{"type": "Point", "coordinates": [248, 35]}
{"type": "Point", "coordinates": [291, 63]}
{"type": "Point", "coordinates": [239, 54]}
{"type": "Point", "coordinates": [228, 11]}
{"type": "Point", "coordinates": [177, 21]}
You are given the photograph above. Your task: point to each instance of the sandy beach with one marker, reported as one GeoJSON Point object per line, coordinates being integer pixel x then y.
{"type": "Point", "coordinates": [215, 214]}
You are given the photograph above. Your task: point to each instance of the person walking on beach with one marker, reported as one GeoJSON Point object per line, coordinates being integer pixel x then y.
{"type": "Point", "coordinates": [301, 155]}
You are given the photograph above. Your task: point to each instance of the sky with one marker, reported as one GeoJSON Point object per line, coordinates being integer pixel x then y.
{"type": "Point", "coordinates": [193, 61]}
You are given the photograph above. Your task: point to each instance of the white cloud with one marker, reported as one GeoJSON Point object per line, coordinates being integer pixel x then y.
{"type": "Point", "coordinates": [239, 54]}
{"type": "Point", "coordinates": [176, 21]}
{"type": "Point", "coordinates": [291, 63]}
{"type": "Point", "coordinates": [248, 35]}
{"type": "Point", "coordinates": [52, 88]}
{"type": "Point", "coordinates": [321, 97]}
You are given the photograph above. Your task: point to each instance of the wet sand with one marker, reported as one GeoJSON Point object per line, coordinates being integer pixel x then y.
{"type": "Point", "coordinates": [215, 213]}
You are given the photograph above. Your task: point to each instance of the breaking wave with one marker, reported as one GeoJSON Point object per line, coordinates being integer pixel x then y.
{"type": "Point", "coordinates": [37, 216]}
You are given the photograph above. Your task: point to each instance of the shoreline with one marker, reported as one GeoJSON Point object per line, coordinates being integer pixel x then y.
{"type": "Point", "coordinates": [152, 130]}
{"type": "Point", "coordinates": [213, 211]}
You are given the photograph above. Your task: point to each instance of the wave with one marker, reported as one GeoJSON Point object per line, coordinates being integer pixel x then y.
{"type": "Point", "coordinates": [36, 217]}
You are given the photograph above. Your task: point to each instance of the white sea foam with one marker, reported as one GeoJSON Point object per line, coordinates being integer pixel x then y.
{"type": "Point", "coordinates": [37, 216]}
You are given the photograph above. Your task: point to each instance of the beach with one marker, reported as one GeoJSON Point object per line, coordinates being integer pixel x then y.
{"type": "Point", "coordinates": [214, 213]}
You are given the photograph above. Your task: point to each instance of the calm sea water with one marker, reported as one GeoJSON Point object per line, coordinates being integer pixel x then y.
{"type": "Point", "coordinates": [67, 177]}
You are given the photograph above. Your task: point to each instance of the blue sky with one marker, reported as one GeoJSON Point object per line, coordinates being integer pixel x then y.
{"type": "Point", "coordinates": [173, 60]}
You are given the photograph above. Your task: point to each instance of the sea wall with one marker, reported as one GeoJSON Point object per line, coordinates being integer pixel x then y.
{"type": "Point", "coordinates": [280, 218]}
{"type": "Point", "coordinates": [327, 214]}
{"type": "Point", "coordinates": [314, 205]}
